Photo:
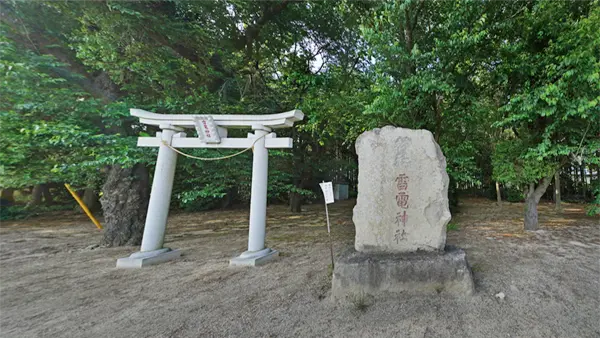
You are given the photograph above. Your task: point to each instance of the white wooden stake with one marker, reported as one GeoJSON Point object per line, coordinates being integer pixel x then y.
{"type": "Point", "coordinates": [328, 196]}
{"type": "Point", "coordinates": [329, 233]}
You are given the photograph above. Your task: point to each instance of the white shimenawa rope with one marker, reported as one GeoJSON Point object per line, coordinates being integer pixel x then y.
{"type": "Point", "coordinates": [213, 158]}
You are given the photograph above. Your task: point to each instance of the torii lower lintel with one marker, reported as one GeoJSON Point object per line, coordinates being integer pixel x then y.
{"type": "Point", "coordinates": [152, 250]}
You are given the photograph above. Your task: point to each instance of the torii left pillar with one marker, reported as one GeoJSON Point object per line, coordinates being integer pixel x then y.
{"type": "Point", "coordinates": [152, 251]}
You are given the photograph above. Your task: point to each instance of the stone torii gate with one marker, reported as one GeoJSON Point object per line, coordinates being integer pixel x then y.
{"type": "Point", "coordinates": [212, 133]}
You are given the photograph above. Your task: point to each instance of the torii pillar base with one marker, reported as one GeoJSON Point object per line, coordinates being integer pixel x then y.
{"type": "Point", "coordinates": [254, 258]}
{"type": "Point", "coordinates": [141, 259]}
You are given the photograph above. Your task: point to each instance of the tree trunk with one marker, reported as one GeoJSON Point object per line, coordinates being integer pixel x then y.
{"type": "Point", "coordinates": [557, 191]}
{"type": "Point", "coordinates": [295, 202]}
{"type": "Point", "coordinates": [531, 214]}
{"type": "Point", "coordinates": [584, 180]}
{"type": "Point", "coordinates": [229, 198]}
{"type": "Point", "coordinates": [47, 194]}
{"type": "Point", "coordinates": [90, 199]}
{"type": "Point", "coordinates": [531, 202]}
{"type": "Point", "coordinates": [8, 196]}
{"type": "Point", "coordinates": [124, 201]}
{"type": "Point", "coordinates": [437, 107]}
{"type": "Point", "coordinates": [498, 195]}
{"type": "Point", "coordinates": [574, 180]}
{"type": "Point", "coordinates": [36, 195]}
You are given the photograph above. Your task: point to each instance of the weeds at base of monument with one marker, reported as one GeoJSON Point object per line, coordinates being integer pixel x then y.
{"type": "Point", "coordinates": [452, 227]}
{"type": "Point", "coordinates": [360, 301]}
{"type": "Point", "coordinates": [477, 267]}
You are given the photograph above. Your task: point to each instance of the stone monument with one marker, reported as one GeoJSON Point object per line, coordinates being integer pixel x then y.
{"type": "Point", "coordinates": [400, 217]}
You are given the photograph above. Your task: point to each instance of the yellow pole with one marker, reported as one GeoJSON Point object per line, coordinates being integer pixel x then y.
{"type": "Point", "coordinates": [83, 206]}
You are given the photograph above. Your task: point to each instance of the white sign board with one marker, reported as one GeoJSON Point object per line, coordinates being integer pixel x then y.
{"type": "Point", "coordinates": [327, 188]}
{"type": "Point", "coordinates": [207, 129]}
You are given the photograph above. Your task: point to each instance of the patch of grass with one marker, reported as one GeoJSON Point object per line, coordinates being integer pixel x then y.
{"type": "Point", "coordinates": [477, 267]}
{"type": "Point", "coordinates": [452, 227]}
{"type": "Point", "coordinates": [13, 213]}
{"type": "Point", "coordinates": [329, 271]}
{"type": "Point", "coordinates": [593, 209]}
{"type": "Point", "coordinates": [16, 212]}
{"type": "Point", "coordinates": [359, 301]}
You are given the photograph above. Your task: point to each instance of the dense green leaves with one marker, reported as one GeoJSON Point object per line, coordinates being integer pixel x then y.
{"type": "Point", "coordinates": [44, 119]}
{"type": "Point", "coordinates": [510, 90]}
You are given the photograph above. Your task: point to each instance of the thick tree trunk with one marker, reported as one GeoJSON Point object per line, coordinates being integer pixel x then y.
{"type": "Point", "coordinates": [557, 191]}
{"type": "Point", "coordinates": [498, 195]}
{"type": "Point", "coordinates": [124, 201]}
{"type": "Point", "coordinates": [8, 196]}
{"type": "Point", "coordinates": [90, 199]}
{"type": "Point", "coordinates": [531, 202]}
{"type": "Point", "coordinates": [36, 195]}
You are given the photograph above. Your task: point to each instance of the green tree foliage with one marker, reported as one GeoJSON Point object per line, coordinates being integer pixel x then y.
{"type": "Point", "coordinates": [195, 57]}
{"type": "Point", "coordinates": [50, 130]}
{"type": "Point", "coordinates": [553, 111]}
{"type": "Point", "coordinates": [429, 74]}
{"type": "Point", "coordinates": [509, 89]}
{"type": "Point", "coordinates": [517, 80]}
{"type": "Point", "coordinates": [549, 63]}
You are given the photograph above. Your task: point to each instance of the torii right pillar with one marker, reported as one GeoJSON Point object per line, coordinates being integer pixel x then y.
{"type": "Point", "coordinates": [257, 253]}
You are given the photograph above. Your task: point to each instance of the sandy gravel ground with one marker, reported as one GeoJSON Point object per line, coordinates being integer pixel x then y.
{"type": "Point", "coordinates": [53, 285]}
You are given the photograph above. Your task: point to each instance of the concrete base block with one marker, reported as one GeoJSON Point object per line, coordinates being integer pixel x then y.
{"type": "Point", "coordinates": [377, 275]}
{"type": "Point", "coordinates": [142, 259]}
{"type": "Point", "coordinates": [257, 258]}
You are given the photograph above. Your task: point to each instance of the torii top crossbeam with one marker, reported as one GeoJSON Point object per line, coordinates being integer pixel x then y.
{"type": "Point", "coordinates": [281, 120]}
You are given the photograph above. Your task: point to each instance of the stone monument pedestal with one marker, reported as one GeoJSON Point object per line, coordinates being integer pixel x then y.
{"type": "Point", "coordinates": [380, 275]}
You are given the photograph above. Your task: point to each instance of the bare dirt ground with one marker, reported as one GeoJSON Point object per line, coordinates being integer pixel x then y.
{"type": "Point", "coordinates": [53, 285]}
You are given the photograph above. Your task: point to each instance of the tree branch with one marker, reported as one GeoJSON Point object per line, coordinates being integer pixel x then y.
{"type": "Point", "coordinates": [98, 85]}
{"type": "Point", "coordinates": [253, 31]}
{"type": "Point", "coordinates": [542, 187]}
{"type": "Point", "coordinates": [417, 13]}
